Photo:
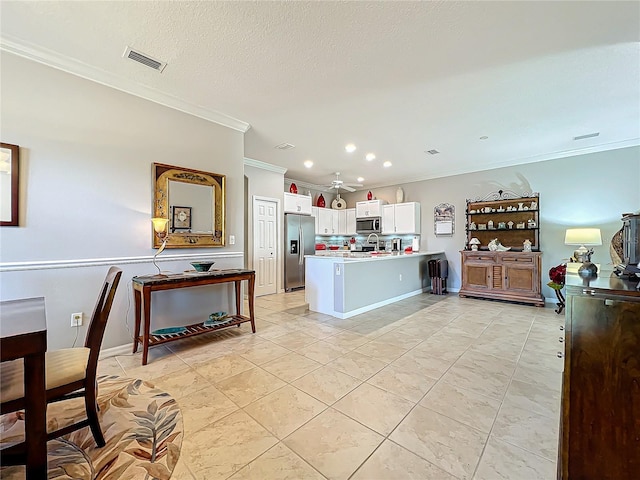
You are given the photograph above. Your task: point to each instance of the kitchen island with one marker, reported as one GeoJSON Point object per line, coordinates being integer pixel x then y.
{"type": "Point", "coordinates": [343, 284]}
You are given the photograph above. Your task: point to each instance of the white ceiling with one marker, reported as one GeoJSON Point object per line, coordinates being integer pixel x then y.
{"type": "Point", "coordinates": [394, 78]}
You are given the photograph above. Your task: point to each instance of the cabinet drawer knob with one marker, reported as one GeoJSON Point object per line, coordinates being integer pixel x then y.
{"type": "Point", "coordinates": [560, 354]}
{"type": "Point", "coordinates": [561, 327]}
{"type": "Point", "coordinates": [560, 339]}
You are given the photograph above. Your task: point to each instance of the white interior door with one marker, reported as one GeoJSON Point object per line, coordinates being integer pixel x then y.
{"type": "Point", "coordinates": [265, 238]}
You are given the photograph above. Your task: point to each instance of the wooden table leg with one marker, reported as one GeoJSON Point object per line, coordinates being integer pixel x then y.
{"type": "Point", "coordinates": [35, 416]}
{"type": "Point", "coordinates": [252, 283]}
{"type": "Point", "coordinates": [136, 332]}
{"type": "Point", "coordinates": [146, 306]}
{"type": "Point", "coordinates": [238, 295]}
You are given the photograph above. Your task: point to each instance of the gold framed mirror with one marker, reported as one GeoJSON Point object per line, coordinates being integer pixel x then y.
{"type": "Point", "coordinates": [194, 203]}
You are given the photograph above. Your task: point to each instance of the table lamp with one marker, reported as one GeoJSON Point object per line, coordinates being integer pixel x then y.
{"type": "Point", "coordinates": [160, 229]}
{"type": "Point", "coordinates": [474, 242]}
{"type": "Point", "coordinates": [584, 237]}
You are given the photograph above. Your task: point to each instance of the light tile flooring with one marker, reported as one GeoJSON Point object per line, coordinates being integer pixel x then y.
{"type": "Point", "coordinates": [432, 387]}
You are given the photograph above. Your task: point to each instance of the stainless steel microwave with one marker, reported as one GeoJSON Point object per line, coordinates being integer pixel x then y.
{"type": "Point", "coordinates": [368, 225]}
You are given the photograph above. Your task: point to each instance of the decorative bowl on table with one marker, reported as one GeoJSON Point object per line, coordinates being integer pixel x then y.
{"type": "Point", "coordinates": [216, 318]}
{"type": "Point", "coordinates": [202, 266]}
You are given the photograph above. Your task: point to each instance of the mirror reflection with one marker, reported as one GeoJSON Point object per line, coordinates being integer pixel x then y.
{"type": "Point", "coordinates": [191, 207]}
{"type": "Point", "coordinates": [194, 202]}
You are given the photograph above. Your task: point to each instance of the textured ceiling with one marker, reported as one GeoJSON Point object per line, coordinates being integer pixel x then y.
{"type": "Point", "coordinates": [394, 78]}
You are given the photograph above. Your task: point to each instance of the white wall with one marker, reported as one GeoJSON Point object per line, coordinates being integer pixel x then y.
{"type": "Point", "coordinates": [263, 182]}
{"type": "Point", "coordinates": [587, 190]}
{"type": "Point", "coordinates": [86, 157]}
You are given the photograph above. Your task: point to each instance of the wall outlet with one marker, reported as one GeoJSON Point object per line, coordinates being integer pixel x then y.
{"type": "Point", "coordinates": [400, 277]}
{"type": "Point", "coordinates": [76, 319]}
{"type": "Point", "coordinates": [232, 239]}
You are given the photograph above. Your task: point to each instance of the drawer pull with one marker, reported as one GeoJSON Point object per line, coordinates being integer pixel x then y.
{"type": "Point", "coordinates": [561, 327]}
{"type": "Point", "coordinates": [560, 354]}
{"type": "Point", "coordinates": [560, 339]}
{"type": "Point", "coordinates": [587, 291]}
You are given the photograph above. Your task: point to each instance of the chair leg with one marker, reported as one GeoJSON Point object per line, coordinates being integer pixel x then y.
{"type": "Point", "coordinates": [91, 406]}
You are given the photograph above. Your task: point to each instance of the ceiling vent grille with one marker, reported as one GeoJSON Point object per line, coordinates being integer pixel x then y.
{"type": "Point", "coordinates": [588, 135]}
{"type": "Point", "coordinates": [284, 146]}
{"type": "Point", "coordinates": [145, 60]}
{"type": "Point", "coordinates": [432, 152]}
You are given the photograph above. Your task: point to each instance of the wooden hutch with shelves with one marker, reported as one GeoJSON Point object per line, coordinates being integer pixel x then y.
{"type": "Point", "coordinates": [513, 274]}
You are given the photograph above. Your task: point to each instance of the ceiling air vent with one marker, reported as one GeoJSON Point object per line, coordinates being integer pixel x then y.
{"type": "Point", "coordinates": [432, 152]}
{"type": "Point", "coordinates": [284, 146]}
{"type": "Point", "coordinates": [144, 59]}
{"type": "Point", "coordinates": [588, 135]}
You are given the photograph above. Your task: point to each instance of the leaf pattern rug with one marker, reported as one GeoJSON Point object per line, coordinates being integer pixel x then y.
{"type": "Point", "coordinates": [142, 426]}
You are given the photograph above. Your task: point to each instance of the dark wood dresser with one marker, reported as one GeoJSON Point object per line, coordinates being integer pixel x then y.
{"type": "Point", "coordinates": [600, 425]}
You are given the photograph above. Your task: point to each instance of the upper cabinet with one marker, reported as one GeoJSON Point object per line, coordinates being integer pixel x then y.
{"type": "Point", "coordinates": [401, 218]}
{"type": "Point", "coordinates": [507, 217]}
{"type": "Point", "coordinates": [370, 208]}
{"type": "Point", "coordinates": [294, 203]}
{"type": "Point", "coordinates": [335, 222]}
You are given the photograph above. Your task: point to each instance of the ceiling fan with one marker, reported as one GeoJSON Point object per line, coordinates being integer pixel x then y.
{"type": "Point", "coordinates": [339, 184]}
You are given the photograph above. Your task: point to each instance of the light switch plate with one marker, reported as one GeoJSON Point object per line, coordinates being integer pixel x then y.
{"type": "Point", "coordinates": [232, 239]}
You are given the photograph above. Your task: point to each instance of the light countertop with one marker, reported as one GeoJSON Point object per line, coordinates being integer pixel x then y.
{"type": "Point", "coordinates": [348, 256]}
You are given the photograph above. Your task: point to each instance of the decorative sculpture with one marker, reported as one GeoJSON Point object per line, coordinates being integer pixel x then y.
{"type": "Point", "coordinates": [496, 246]}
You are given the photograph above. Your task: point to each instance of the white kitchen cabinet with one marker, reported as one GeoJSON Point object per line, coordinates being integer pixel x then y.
{"type": "Point", "coordinates": [401, 218]}
{"type": "Point", "coordinates": [294, 203]}
{"type": "Point", "coordinates": [370, 208]}
{"type": "Point", "coordinates": [351, 221]}
{"type": "Point", "coordinates": [328, 222]}
{"type": "Point", "coordinates": [314, 214]}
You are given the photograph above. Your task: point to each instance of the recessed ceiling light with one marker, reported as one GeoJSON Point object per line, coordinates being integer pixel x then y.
{"type": "Point", "coordinates": [387, 164]}
{"type": "Point", "coordinates": [370, 156]}
{"type": "Point", "coordinates": [588, 135]}
{"type": "Point", "coordinates": [484, 137]}
{"type": "Point", "coordinates": [350, 148]}
{"type": "Point", "coordinates": [308, 163]}
{"type": "Point", "coordinates": [284, 146]}
{"type": "Point", "coordinates": [360, 179]}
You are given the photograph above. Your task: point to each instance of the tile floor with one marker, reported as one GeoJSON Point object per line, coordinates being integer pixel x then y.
{"type": "Point", "coordinates": [431, 387]}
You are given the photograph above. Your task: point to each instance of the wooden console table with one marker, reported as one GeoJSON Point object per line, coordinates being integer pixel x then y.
{"type": "Point", "coordinates": [23, 335]}
{"type": "Point", "coordinates": [143, 286]}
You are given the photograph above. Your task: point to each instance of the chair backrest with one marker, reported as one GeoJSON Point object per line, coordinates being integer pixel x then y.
{"type": "Point", "coordinates": [100, 315]}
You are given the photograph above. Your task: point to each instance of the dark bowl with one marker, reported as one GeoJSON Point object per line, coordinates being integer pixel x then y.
{"type": "Point", "coordinates": [202, 266]}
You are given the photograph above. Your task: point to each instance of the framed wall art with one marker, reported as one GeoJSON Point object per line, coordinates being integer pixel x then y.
{"type": "Point", "coordinates": [181, 218]}
{"type": "Point", "coordinates": [9, 184]}
{"type": "Point", "coordinates": [444, 219]}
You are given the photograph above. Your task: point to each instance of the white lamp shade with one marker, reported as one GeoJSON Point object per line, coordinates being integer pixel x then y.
{"type": "Point", "coordinates": [583, 236]}
{"type": "Point", "coordinates": [474, 241]}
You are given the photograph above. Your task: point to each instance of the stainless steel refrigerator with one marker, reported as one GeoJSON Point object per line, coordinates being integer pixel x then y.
{"type": "Point", "coordinates": [300, 239]}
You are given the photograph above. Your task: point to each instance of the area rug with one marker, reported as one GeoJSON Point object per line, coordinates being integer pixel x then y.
{"type": "Point", "coordinates": [142, 426]}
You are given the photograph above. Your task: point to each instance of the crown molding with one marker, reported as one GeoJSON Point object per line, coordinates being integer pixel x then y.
{"type": "Point", "coordinates": [264, 165]}
{"type": "Point", "coordinates": [66, 64]}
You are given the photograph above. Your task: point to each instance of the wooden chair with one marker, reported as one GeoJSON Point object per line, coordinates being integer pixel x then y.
{"type": "Point", "coordinates": [69, 373]}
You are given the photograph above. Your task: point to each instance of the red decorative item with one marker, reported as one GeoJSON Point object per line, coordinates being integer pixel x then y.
{"type": "Point", "coordinates": [369, 195]}
{"type": "Point", "coordinates": [293, 188]}
{"type": "Point", "coordinates": [320, 202]}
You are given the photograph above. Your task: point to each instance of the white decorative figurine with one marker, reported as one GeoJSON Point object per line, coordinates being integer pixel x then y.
{"type": "Point", "coordinates": [496, 246]}
{"type": "Point", "coordinates": [526, 246]}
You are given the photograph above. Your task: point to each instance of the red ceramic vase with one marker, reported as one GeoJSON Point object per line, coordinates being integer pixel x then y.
{"type": "Point", "coordinates": [369, 195]}
{"type": "Point", "coordinates": [320, 202]}
{"type": "Point", "coordinates": [293, 188]}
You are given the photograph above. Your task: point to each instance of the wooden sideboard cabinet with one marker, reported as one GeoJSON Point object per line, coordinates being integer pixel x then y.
{"type": "Point", "coordinates": [514, 276]}
{"type": "Point", "coordinates": [600, 426]}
